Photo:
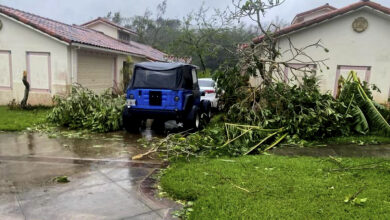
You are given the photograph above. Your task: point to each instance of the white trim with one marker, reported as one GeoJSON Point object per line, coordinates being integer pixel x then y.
{"type": "Point", "coordinates": [37, 30]}
{"type": "Point", "coordinates": [106, 50]}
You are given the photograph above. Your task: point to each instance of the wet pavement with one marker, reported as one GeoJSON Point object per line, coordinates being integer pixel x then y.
{"type": "Point", "coordinates": [104, 182]}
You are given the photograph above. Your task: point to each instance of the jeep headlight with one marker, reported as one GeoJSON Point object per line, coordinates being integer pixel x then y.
{"type": "Point", "coordinates": [131, 96]}
{"type": "Point", "coordinates": [177, 98]}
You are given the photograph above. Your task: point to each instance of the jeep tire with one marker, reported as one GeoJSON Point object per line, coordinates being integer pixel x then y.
{"type": "Point", "coordinates": [206, 110]}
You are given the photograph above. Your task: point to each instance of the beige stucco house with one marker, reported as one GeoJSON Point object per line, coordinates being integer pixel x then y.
{"type": "Point", "coordinates": [56, 55]}
{"type": "Point", "coordinates": [357, 37]}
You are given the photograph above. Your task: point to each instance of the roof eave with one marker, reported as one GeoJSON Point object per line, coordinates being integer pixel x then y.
{"type": "Point", "coordinates": [108, 50]}
{"type": "Point", "coordinates": [104, 49]}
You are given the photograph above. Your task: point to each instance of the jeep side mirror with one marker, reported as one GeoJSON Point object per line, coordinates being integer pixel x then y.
{"type": "Point", "coordinates": [203, 93]}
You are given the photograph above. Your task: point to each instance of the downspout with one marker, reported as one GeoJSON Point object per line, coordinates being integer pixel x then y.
{"type": "Point", "coordinates": [73, 63]}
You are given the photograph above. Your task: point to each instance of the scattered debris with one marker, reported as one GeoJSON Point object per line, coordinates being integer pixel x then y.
{"type": "Point", "coordinates": [61, 179]}
{"type": "Point", "coordinates": [354, 200]}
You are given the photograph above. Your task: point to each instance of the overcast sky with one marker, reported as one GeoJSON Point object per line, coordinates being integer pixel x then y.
{"type": "Point", "coordinates": [81, 11]}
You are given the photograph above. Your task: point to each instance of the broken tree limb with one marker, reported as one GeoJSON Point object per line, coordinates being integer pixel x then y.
{"type": "Point", "coordinates": [261, 142]}
{"type": "Point", "coordinates": [275, 143]}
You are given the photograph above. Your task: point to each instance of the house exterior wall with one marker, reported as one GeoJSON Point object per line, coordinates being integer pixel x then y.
{"type": "Point", "coordinates": [105, 28]}
{"type": "Point", "coordinates": [52, 65]}
{"type": "Point", "coordinates": [367, 52]}
{"type": "Point", "coordinates": [120, 60]}
{"type": "Point", "coordinates": [20, 40]}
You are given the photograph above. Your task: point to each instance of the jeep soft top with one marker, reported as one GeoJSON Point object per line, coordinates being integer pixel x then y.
{"type": "Point", "coordinates": [159, 75]}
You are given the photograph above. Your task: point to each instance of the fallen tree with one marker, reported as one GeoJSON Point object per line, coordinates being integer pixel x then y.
{"type": "Point", "coordinates": [84, 109]}
{"type": "Point", "coordinates": [276, 110]}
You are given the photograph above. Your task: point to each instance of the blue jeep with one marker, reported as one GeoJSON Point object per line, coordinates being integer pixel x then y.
{"type": "Point", "coordinates": [165, 91]}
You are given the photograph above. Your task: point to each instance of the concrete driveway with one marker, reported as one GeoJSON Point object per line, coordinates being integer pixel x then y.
{"type": "Point", "coordinates": [104, 183]}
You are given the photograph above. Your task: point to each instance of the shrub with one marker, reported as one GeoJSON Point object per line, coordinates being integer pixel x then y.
{"type": "Point", "coordinates": [83, 109]}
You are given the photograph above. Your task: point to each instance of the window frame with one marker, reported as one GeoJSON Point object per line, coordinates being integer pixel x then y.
{"type": "Point", "coordinates": [10, 87]}
{"type": "Point", "coordinates": [367, 76]}
{"type": "Point", "coordinates": [48, 54]}
{"type": "Point", "coordinates": [122, 33]}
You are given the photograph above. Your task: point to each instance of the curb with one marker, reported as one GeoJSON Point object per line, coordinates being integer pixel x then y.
{"type": "Point", "coordinates": [148, 189]}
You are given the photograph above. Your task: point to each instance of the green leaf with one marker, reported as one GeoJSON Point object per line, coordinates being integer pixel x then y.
{"type": "Point", "coordinates": [360, 122]}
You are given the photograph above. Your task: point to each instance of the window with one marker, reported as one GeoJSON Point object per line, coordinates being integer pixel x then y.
{"type": "Point", "coordinates": [123, 36]}
{"type": "Point", "coordinates": [5, 70]}
{"type": "Point", "coordinates": [206, 83]}
{"type": "Point", "coordinates": [155, 79]}
{"type": "Point", "coordinates": [39, 71]}
{"type": "Point", "coordinates": [363, 72]}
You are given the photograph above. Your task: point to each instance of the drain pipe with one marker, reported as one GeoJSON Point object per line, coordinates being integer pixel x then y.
{"type": "Point", "coordinates": [73, 63]}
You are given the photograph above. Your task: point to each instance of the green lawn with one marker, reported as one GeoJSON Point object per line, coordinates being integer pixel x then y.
{"type": "Point", "coordinates": [275, 187]}
{"type": "Point", "coordinates": [18, 120]}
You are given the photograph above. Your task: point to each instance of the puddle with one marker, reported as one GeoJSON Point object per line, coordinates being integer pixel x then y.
{"type": "Point", "coordinates": [379, 151]}
{"type": "Point", "coordinates": [116, 145]}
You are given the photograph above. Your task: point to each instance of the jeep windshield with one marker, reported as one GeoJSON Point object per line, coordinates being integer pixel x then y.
{"type": "Point", "coordinates": [153, 79]}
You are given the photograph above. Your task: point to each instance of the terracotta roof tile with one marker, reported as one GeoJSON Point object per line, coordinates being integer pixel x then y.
{"type": "Point", "coordinates": [327, 16]}
{"type": "Point", "coordinates": [82, 35]}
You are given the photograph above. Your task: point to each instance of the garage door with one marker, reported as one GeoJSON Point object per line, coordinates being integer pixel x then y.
{"type": "Point", "coordinates": [95, 71]}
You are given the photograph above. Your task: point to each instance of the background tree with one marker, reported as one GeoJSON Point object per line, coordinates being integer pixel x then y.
{"type": "Point", "coordinates": [208, 39]}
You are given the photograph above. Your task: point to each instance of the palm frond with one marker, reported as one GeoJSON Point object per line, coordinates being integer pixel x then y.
{"type": "Point", "coordinates": [375, 119]}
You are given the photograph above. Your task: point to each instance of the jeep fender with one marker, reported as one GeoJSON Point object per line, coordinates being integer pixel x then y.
{"type": "Point", "coordinates": [191, 114]}
{"type": "Point", "coordinates": [188, 102]}
{"type": "Point", "coordinates": [205, 105]}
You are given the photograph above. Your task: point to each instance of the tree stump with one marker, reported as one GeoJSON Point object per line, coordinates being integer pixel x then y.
{"type": "Point", "coordinates": [26, 84]}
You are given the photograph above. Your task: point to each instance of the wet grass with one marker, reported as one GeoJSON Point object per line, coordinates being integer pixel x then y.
{"type": "Point", "coordinates": [275, 187]}
{"type": "Point", "coordinates": [19, 120]}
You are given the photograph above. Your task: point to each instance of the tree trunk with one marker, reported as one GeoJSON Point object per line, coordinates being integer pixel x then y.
{"type": "Point", "coordinates": [23, 104]}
